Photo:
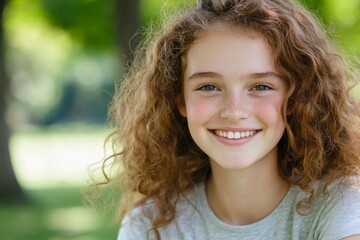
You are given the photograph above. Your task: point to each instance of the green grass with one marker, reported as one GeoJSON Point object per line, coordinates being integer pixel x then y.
{"type": "Point", "coordinates": [59, 155]}
{"type": "Point", "coordinates": [55, 214]}
{"type": "Point", "coordinates": [51, 165]}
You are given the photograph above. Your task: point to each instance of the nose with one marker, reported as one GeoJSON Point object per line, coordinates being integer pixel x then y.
{"type": "Point", "coordinates": [236, 106]}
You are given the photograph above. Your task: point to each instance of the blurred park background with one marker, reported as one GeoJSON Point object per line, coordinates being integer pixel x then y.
{"type": "Point", "coordinates": [59, 62]}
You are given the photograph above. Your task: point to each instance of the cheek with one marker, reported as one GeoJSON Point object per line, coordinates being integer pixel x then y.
{"type": "Point", "coordinates": [198, 109]}
{"type": "Point", "coordinates": [270, 111]}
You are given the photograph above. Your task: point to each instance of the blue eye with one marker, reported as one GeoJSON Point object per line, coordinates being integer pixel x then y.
{"type": "Point", "coordinates": [208, 88]}
{"type": "Point", "coordinates": [261, 87]}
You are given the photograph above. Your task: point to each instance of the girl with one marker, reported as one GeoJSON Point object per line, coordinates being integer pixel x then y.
{"type": "Point", "coordinates": [236, 123]}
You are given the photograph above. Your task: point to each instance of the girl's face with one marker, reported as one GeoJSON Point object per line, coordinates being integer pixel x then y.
{"type": "Point", "coordinates": [233, 97]}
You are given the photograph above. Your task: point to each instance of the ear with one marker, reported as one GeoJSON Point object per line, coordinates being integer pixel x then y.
{"type": "Point", "coordinates": [180, 104]}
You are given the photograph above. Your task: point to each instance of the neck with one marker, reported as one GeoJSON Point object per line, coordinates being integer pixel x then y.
{"type": "Point", "coordinates": [241, 197]}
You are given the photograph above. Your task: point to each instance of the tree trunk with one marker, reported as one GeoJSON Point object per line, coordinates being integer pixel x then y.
{"type": "Point", "coordinates": [10, 190]}
{"type": "Point", "coordinates": [128, 22]}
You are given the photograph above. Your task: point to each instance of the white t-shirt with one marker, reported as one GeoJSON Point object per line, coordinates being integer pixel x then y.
{"type": "Point", "coordinates": [332, 217]}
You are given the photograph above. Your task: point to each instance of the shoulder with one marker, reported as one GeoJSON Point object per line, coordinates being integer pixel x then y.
{"type": "Point", "coordinates": [339, 209]}
{"type": "Point", "coordinates": [138, 221]}
{"type": "Point", "coordinates": [345, 191]}
{"type": "Point", "coordinates": [332, 215]}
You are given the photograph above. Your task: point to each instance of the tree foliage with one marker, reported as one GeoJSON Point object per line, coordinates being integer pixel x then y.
{"type": "Point", "coordinates": [342, 20]}
{"type": "Point", "coordinates": [91, 23]}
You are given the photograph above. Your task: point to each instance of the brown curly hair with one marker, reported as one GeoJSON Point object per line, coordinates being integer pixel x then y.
{"type": "Point", "coordinates": [154, 151]}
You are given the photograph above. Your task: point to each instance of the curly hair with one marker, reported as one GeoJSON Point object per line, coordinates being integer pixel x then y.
{"type": "Point", "coordinates": [154, 150]}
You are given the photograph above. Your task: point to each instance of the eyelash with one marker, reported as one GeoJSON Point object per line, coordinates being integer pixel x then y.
{"type": "Point", "coordinates": [264, 87]}
{"type": "Point", "coordinates": [206, 87]}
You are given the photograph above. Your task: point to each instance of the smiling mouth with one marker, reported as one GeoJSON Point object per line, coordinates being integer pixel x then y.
{"type": "Point", "coordinates": [234, 134]}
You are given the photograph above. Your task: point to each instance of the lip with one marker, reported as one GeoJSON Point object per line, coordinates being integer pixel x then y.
{"type": "Point", "coordinates": [234, 142]}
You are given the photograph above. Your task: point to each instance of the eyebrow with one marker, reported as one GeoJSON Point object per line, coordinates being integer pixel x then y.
{"type": "Point", "coordinates": [251, 76]}
{"type": "Point", "coordinates": [264, 75]}
{"type": "Point", "coordinates": [204, 75]}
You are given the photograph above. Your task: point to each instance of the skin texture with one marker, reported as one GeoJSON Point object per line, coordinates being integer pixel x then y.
{"type": "Point", "coordinates": [234, 87]}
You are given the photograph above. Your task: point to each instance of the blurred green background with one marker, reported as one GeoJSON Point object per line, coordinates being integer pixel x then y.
{"type": "Point", "coordinates": [60, 61]}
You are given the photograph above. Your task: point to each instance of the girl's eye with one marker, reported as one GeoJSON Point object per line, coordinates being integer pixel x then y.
{"type": "Point", "coordinates": [261, 87]}
{"type": "Point", "coordinates": [208, 88]}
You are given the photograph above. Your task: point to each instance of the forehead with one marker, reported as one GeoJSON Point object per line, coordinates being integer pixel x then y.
{"type": "Point", "coordinates": [225, 47]}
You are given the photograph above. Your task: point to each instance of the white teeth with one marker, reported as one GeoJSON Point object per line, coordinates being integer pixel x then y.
{"type": "Point", "coordinates": [237, 135]}
{"type": "Point", "coordinates": [234, 135]}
